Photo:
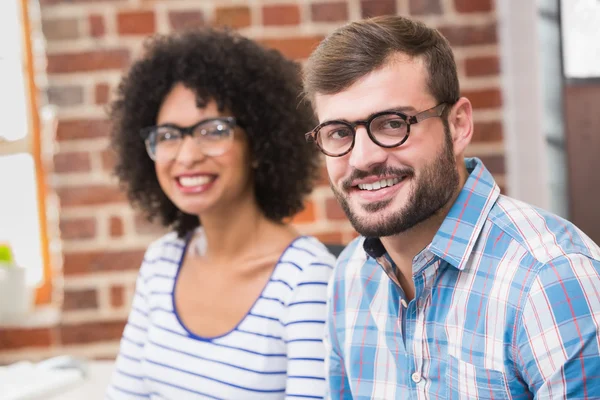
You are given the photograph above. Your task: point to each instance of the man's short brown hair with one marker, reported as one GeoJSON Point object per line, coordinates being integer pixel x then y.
{"type": "Point", "coordinates": [358, 48]}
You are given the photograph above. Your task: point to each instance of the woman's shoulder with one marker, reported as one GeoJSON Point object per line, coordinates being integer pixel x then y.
{"type": "Point", "coordinates": [167, 249]}
{"type": "Point", "coordinates": [306, 259]}
{"type": "Point", "coordinates": [308, 250]}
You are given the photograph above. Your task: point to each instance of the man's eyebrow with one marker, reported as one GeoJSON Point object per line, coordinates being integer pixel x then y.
{"type": "Point", "coordinates": [408, 110]}
{"type": "Point", "coordinates": [403, 109]}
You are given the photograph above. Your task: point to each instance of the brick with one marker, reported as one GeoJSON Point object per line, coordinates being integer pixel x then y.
{"type": "Point", "coordinates": [101, 93]}
{"type": "Point", "coordinates": [55, 2]}
{"type": "Point", "coordinates": [307, 215]}
{"type": "Point", "coordinates": [425, 7]}
{"type": "Point", "coordinates": [87, 61]}
{"type": "Point", "coordinates": [471, 6]}
{"type": "Point", "coordinates": [334, 211]}
{"type": "Point", "coordinates": [494, 163]}
{"type": "Point", "coordinates": [145, 227]}
{"type": "Point", "coordinates": [184, 19]}
{"type": "Point", "coordinates": [89, 195]}
{"type": "Point", "coordinates": [233, 17]}
{"type": "Point", "coordinates": [296, 48]}
{"type": "Point", "coordinates": [60, 29]}
{"type": "Point", "coordinates": [109, 160]}
{"type": "Point", "coordinates": [330, 237]}
{"type": "Point", "coordinates": [91, 332]}
{"type": "Point", "coordinates": [487, 132]}
{"type": "Point", "coordinates": [329, 12]}
{"type": "Point", "coordinates": [77, 228]}
{"type": "Point", "coordinates": [484, 98]}
{"type": "Point", "coordinates": [72, 162]}
{"type": "Point", "coordinates": [80, 299]}
{"type": "Point", "coordinates": [136, 23]}
{"type": "Point", "coordinates": [116, 227]}
{"type": "Point", "coordinates": [65, 96]}
{"type": "Point", "coordinates": [374, 8]}
{"type": "Point", "coordinates": [97, 25]}
{"type": "Point", "coordinates": [18, 338]}
{"type": "Point", "coordinates": [467, 35]}
{"type": "Point", "coordinates": [82, 129]}
{"type": "Point", "coordinates": [117, 296]}
{"type": "Point", "coordinates": [102, 261]}
{"type": "Point", "coordinates": [482, 66]}
{"type": "Point", "coordinates": [284, 14]}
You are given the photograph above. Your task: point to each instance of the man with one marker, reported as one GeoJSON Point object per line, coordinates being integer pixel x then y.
{"type": "Point", "coordinates": [453, 291]}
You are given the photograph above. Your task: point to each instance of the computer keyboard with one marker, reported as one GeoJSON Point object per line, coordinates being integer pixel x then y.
{"type": "Point", "coordinates": [31, 381]}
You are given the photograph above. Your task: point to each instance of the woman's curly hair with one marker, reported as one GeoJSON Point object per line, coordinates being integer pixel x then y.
{"type": "Point", "coordinates": [259, 86]}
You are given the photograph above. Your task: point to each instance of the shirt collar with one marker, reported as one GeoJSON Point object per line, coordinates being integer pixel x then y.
{"type": "Point", "coordinates": [465, 220]}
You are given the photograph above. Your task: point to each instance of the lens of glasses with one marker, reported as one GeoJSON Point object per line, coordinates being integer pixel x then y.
{"type": "Point", "coordinates": [213, 138]}
{"type": "Point", "coordinates": [335, 138]}
{"type": "Point", "coordinates": [389, 129]}
{"type": "Point", "coordinates": [163, 143]}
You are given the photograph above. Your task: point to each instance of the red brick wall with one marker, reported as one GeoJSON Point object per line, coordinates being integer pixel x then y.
{"type": "Point", "coordinates": [89, 43]}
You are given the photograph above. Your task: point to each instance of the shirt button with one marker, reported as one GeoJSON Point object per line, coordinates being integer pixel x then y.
{"type": "Point", "coordinates": [416, 377]}
{"type": "Point", "coordinates": [403, 302]}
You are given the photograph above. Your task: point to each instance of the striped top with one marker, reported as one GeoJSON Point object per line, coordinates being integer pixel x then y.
{"type": "Point", "coordinates": [507, 306]}
{"type": "Point", "coordinates": [275, 352]}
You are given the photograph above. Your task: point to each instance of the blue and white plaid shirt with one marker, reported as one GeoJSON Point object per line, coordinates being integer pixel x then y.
{"type": "Point", "coordinates": [507, 306]}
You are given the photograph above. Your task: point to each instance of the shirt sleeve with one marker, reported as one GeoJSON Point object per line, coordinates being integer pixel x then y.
{"type": "Point", "coordinates": [126, 381]}
{"type": "Point", "coordinates": [338, 387]}
{"type": "Point", "coordinates": [304, 329]}
{"type": "Point", "coordinates": [557, 351]}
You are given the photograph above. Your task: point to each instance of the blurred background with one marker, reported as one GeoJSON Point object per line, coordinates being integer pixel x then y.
{"type": "Point", "coordinates": [530, 68]}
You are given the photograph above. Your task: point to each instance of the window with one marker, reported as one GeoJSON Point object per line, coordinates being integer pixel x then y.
{"type": "Point", "coordinates": [22, 188]}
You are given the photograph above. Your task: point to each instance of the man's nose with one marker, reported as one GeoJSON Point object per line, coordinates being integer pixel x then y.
{"type": "Point", "coordinates": [366, 154]}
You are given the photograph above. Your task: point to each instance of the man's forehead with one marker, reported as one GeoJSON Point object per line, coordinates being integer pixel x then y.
{"type": "Point", "coordinates": [400, 84]}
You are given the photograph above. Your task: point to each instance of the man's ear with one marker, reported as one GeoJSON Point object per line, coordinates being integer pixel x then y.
{"type": "Point", "coordinates": [460, 120]}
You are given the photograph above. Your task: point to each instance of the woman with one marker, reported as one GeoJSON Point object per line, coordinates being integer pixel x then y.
{"type": "Point", "coordinates": [230, 305]}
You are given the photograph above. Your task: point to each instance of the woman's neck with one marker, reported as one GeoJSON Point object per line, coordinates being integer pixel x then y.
{"type": "Point", "coordinates": [237, 233]}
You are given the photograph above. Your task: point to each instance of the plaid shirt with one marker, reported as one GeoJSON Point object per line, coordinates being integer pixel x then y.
{"type": "Point", "coordinates": [507, 306]}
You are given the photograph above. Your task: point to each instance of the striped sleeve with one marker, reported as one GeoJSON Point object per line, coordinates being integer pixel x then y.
{"type": "Point", "coordinates": [558, 352]}
{"type": "Point", "coordinates": [304, 328]}
{"type": "Point", "coordinates": [127, 382]}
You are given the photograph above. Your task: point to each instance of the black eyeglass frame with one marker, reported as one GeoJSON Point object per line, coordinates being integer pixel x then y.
{"type": "Point", "coordinates": [435, 111]}
{"type": "Point", "coordinates": [146, 133]}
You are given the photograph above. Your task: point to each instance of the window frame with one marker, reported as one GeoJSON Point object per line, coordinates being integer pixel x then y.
{"type": "Point", "coordinates": [32, 144]}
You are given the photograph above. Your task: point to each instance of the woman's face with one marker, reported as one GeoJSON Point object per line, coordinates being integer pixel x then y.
{"type": "Point", "coordinates": [195, 182]}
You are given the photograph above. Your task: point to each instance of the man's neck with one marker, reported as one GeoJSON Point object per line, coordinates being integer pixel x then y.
{"type": "Point", "coordinates": [404, 247]}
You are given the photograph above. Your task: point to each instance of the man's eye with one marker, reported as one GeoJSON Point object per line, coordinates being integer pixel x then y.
{"type": "Point", "coordinates": [337, 134]}
{"type": "Point", "coordinates": [394, 124]}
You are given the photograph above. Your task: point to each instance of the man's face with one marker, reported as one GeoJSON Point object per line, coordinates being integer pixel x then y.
{"type": "Point", "coordinates": [388, 191]}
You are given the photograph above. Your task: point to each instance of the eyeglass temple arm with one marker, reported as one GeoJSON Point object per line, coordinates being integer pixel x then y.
{"type": "Point", "coordinates": [433, 112]}
{"type": "Point", "coordinates": [310, 136]}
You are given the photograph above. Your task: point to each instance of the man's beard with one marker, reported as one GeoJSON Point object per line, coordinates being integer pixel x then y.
{"type": "Point", "coordinates": [431, 192]}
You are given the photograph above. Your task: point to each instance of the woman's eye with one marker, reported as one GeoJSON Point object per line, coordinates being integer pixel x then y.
{"type": "Point", "coordinates": [166, 135]}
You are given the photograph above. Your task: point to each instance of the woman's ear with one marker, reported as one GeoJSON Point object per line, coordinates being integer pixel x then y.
{"type": "Point", "coordinates": [460, 120]}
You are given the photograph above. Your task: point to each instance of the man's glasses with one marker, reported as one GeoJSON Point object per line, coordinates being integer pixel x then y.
{"type": "Point", "coordinates": [213, 137]}
{"type": "Point", "coordinates": [386, 129]}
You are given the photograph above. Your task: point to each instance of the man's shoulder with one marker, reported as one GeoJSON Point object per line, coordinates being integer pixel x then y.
{"type": "Point", "coordinates": [544, 235]}
{"type": "Point", "coordinates": [350, 260]}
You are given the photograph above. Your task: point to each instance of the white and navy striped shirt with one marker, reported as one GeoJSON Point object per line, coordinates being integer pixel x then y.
{"type": "Point", "coordinates": [275, 352]}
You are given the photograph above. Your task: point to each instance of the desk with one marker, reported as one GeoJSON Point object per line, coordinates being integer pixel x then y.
{"type": "Point", "coordinates": [94, 386]}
